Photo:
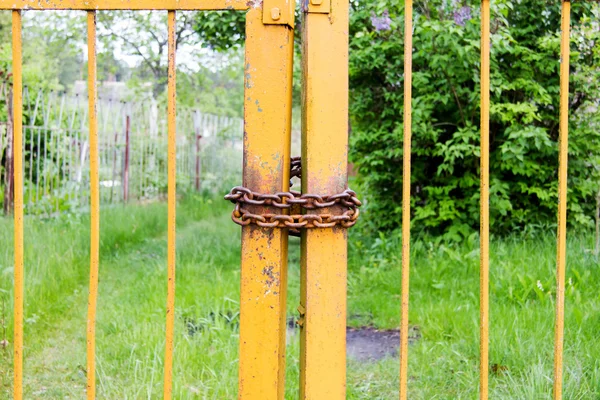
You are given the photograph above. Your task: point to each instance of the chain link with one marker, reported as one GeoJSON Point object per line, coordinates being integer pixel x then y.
{"type": "Point", "coordinates": [295, 168]}
{"type": "Point", "coordinates": [291, 205]}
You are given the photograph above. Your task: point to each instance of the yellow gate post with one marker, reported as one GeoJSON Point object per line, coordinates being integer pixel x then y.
{"type": "Point", "coordinates": [324, 172]}
{"type": "Point", "coordinates": [267, 127]}
{"type": "Point", "coordinates": [94, 208]}
{"type": "Point", "coordinates": [406, 179]}
{"type": "Point", "coordinates": [484, 224]}
{"type": "Point", "coordinates": [561, 253]}
{"type": "Point", "coordinates": [18, 199]}
{"type": "Point", "coordinates": [172, 204]}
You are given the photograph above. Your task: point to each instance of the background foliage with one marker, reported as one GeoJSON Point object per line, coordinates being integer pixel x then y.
{"type": "Point", "coordinates": [132, 67]}
{"type": "Point", "coordinates": [524, 113]}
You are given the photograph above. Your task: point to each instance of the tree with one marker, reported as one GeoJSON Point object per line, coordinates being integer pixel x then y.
{"type": "Point", "coordinates": [138, 34]}
{"type": "Point", "coordinates": [225, 32]}
{"type": "Point", "coordinates": [53, 56]}
{"type": "Point", "coordinates": [221, 30]}
{"type": "Point", "coordinates": [523, 121]}
{"type": "Point", "coordinates": [206, 79]}
{"type": "Point", "coordinates": [217, 87]}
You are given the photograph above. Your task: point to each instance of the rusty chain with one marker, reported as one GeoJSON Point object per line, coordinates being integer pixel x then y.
{"type": "Point", "coordinates": [295, 203]}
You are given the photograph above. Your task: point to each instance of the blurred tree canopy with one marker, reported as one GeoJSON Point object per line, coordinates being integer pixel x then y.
{"type": "Point", "coordinates": [132, 48]}
{"type": "Point", "coordinates": [52, 58]}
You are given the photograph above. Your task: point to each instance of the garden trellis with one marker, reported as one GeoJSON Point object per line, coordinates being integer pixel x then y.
{"type": "Point", "coordinates": [267, 137]}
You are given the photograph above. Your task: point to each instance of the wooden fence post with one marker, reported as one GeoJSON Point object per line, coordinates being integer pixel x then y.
{"type": "Point", "coordinates": [126, 166]}
{"type": "Point", "coordinates": [198, 165]}
{"type": "Point", "coordinates": [114, 166]}
{"type": "Point", "coordinates": [9, 181]}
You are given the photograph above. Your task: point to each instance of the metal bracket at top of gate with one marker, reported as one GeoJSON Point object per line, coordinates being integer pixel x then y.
{"type": "Point", "coordinates": [316, 6]}
{"type": "Point", "coordinates": [278, 12]}
{"type": "Point", "coordinates": [281, 12]}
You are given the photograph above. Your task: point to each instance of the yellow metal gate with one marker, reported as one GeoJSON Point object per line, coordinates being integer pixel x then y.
{"type": "Point", "coordinates": [267, 127]}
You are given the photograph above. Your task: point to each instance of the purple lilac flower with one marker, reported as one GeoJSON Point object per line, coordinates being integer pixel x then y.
{"type": "Point", "coordinates": [462, 15]}
{"type": "Point", "coordinates": [382, 23]}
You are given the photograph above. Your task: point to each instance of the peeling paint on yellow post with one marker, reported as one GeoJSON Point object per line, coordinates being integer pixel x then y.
{"type": "Point", "coordinates": [324, 172]}
{"type": "Point", "coordinates": [267, 127]}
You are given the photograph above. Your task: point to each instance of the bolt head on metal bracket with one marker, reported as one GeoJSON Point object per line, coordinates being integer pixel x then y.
{"type": "Point", "coordinates": [279, 12]}
{"type": "Point", "coordinates": [316, 6]}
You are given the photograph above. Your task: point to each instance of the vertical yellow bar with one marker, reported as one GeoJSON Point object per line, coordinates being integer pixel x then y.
{"type": "Point", "coordinates": [484, 235]}
{"type": "Point", "coordinates": [267, 127]}
{"type": "Point", "coordinates": [324, 172]}
{"type": "Point", "coordinates": [18, 200]}
{"type": "Point", "coordinates": [172, 200]}
{"type": "Point", "coordinates": [406, 169]}
{"type": "Point", "coordinates": [562, 199]}
{"type": "Point", "coordinates": [94, 209]}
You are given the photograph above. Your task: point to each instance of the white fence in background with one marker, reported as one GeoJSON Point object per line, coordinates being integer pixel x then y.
{"type": "Point", "coordinates": [132, 147]}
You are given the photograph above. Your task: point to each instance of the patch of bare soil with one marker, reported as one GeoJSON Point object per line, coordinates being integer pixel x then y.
{"type": "Point", "coordinates": [371, 344]}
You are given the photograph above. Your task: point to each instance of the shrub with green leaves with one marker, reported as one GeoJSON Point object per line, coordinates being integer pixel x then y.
{"type": "Point", "coordinates": [525, 43]}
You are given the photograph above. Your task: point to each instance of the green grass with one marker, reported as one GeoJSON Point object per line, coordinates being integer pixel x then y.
{"type": "Point", "coordinates": [444, 310]}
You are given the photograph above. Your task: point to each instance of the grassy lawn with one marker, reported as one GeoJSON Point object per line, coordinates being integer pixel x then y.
{"type": "Point", "coordinates": [444, 310]}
